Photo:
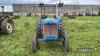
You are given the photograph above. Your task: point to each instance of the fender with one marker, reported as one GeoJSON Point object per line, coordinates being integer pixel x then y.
{"type": "Point", "coordinates": [3, 18]}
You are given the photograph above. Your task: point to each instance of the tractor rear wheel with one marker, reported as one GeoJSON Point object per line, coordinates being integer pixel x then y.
{"type": "Point", "coordinates": [7, 26]}
{"type": "Point", "coordinates": [34, 44]}
{"type": "Point", "coordinates": [38, 29]}
{"type": "Point", "coordinates": [66, 43]}
{"type": "Point", "coordinates": [65, 37]}
{"type": "Point", "coordinates": [61, 30]}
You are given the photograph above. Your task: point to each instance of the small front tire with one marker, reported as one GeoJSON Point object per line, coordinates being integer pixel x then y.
{"type": "Point", "coordinates": [34, 45]}
{"type": "Point", "coordinates": [66, 43]}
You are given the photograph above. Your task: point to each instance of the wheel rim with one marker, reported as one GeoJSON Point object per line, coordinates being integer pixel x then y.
{"type": "Point", "coordinates": [9, 27]}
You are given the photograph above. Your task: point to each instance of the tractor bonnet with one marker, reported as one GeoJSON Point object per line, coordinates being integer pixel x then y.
{"type": "Point", "coordinates": [50, 21]}
{"type": "Point", "coordinates": [50, 29]}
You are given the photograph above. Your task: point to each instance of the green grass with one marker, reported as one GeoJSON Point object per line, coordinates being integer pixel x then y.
{"type": "Point", "coordinates": [84, 32]}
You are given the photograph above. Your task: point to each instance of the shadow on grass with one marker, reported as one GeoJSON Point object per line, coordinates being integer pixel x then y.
{"type": "Point", "coordinates": [1, 34]}
{"type": "Point", "coordinates": [51, 48]}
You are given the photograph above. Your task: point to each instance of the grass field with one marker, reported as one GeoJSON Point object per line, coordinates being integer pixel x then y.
{"type": "Point", "coordinates": [84, 32]}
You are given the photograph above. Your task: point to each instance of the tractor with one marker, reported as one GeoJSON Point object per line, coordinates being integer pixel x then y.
{"type": "Point", "coordinates": [6, 23]}
{"type": "Point", "coordinates": [50, 29]}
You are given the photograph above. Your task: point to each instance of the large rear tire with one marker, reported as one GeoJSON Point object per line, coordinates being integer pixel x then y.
{"type": "Point", "coordinates": [61, 30]}
{"type": "Point", "coordinates": [65, 37]}
{"type": "Point", "coordinates": [38, 29]}
{"type": "Point", "coordinates": [7, 26]}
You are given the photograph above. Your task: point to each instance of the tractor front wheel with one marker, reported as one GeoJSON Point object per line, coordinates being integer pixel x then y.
{"type": "Point", "coordinates": [34, 45]}
{"type": "Point", "coordinates": [66, 43]}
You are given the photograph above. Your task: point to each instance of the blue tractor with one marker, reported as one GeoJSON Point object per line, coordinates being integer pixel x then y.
{"type": "Point", "coordinates": [50, 29]}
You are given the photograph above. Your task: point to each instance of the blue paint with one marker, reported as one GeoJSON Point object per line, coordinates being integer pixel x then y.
{"type": "Point", "coordinates": [50, 38]}
{"type": "Point", "coordinates": [50, 22]}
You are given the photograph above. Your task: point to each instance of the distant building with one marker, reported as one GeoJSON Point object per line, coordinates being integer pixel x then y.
{"type": "Point", "coordinates": [34, 9]}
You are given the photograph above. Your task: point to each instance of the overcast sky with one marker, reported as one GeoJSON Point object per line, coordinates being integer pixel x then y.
{"type": "Point", "coordinates": [85, 2]}
{"type": "Point", "coordinates": [50, 1]}
{"type": "Point", "coordinates": [8, 3]}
